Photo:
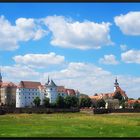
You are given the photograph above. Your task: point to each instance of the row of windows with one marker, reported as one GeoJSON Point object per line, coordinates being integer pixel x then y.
{"type": "Point", "coordinates": [28, 97]}
{"type": "Point", "coordinates": [29, 93]}
{"type": "Point", "coordinates": [28, 89]}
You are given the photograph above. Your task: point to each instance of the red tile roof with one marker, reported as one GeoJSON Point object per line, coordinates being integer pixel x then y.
{"type": "Point", "coordinates": [61, 89]}
{"type": "Point", "coordinates": [133, 101]}
{"type": "Point", "coordinates": [8, 84]}
{"type": "Point", "coordinates": [70, 91]}
{"type": "Point", "coordinates": [121, 92]}
{"type": "Point", "coordinates": [29, 84]}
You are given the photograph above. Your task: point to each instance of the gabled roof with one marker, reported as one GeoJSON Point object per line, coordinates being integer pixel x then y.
{"type": "Point", "coordinates": [118, 89]}
{"type": "Point", "coordinates": [51, 83]}
{"type": "Point", "coordinates": [70, 91]}
{"type": "Point", "coordinates": [61, 89]}
{"type": "Point", "coordinates": [29, 84]}
{"type": "Point", "coordinates": [8, 84]}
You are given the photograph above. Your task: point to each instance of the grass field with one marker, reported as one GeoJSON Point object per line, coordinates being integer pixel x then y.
{"type": "Point", "coordinates": [70, 125]}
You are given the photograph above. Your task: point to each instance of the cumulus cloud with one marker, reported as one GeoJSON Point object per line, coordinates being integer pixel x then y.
{"type": "Point", "coordinates": [90, 79]}
{"type": "Point", "coordinates": [86, 77]}
{"type": "Point", "coordinates": [131, 56]}
{"type": "Point", "coordinates": [123, 47]}
{"type": "Point", "coordinates": [17, 73]}
{"type": "Point", "coordinates": [39, 60]}
{"type": "Point", "coordinates": [109, 60]}
{"type": "Point", "coordinates": [129, 23]}
{"type": "Point", "coordinates": [80, 35]}
{"type": "Point", "coordinates": [23, 30]}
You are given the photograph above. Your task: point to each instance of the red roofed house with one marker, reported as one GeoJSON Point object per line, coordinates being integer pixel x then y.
{"type": "Point", "coordinates": [7, 92]}
{"type": "Point", "coordinates": [109, 97]}
{"type": "Point", "coordinates": [26, 92]}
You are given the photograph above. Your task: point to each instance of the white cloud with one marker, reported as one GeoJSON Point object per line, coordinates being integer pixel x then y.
{"type": "Point", "coordinates": [85, 77]}
{"type": "Point", "coordinates": [109, 60]}
{"type": "Point", "coordinates": [90, 79]}
{"type": "Point", "coordinates": [23, 30]}
{"type": "Point", "coordinates": [17, 73]}
{"type": "Point", "coordinates": [123, 47]}
{"type": "Point", "coordinates": [39, 60]}
{"type": "Point", "coordinates": [80, 35]}
{"type": "Point", "coordinates": [129, 23]}
{"type": "Point", "coordinates": [131, 56]}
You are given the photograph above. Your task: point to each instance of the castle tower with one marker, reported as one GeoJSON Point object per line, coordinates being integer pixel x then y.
{"type": "Point", "coordinates": [116, 84]}
{"type": "Point", "coordinates": [0, 77]}
{"type": "Point", "coordinates": [51, 90]}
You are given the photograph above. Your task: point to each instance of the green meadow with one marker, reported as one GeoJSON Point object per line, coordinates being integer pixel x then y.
{"type": "Point", "coordinates": [70, 125]}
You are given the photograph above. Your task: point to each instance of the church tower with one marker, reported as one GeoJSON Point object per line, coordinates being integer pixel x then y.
{"type": "Point", "coordinates": [0, 77]}
{"type": "Point", "coordinates": [116, 84]}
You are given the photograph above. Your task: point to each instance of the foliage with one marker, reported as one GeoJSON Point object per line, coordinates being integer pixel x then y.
{"type": "Point", "coordinates": [85, 102]}
{"type": "Point", "coordinates": [71, 101]}
{"type": "Point", "coordinates": [101, 103]}
{"type": "Point", "coordinates": [36, 101]}
{"type": "Point", "coordinates": [46, 102]}
{"type": "Point", "coordinates": [60, 102]}
{"type": "Point", "coordinates": [53, 105]}
{"type": "Point", "coordinates": [75, 102]}
{"type": "Point", "coordinates": [131, 98]}
{"type": "Point", "coordinates": [136, 105]}
{"type": "Point", "coordinates": [68, 101]}
{"type": "Point", "coordinates": [139, 98]}
{"type": "Point", "coordinates": [118, 96]}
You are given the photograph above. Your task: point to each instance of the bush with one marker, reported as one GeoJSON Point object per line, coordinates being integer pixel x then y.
{"type": "Point", "coordinates": [136, 105]}
{"type": "Point", "coordinates": [85, 102]}
{"type": "Point", "coordinates": [46, 102]}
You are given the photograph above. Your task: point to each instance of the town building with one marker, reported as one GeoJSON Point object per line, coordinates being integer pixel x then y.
{"type": "Point", "coordinates": [27, 91]}
{"type": "Point", "coordinates": [7, 93]}
{"type": "Point", "coordinates": [109, 97]}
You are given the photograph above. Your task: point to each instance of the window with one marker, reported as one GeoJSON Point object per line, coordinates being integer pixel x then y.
{"type": "Point", "coordinates": [32, 93]}
{"type": "Point", "coordinates": [36, 93]}
{"type": "Point", "coordinates": [25, 97]}
{"type": "Point", "coordinates": [29, 93]}
{"type": "Point", "coordinates": [51, 88]}
{"type": "Point", "coordinates": [19, 93]}
{"type": "Point", "coordinates": [29, 97]}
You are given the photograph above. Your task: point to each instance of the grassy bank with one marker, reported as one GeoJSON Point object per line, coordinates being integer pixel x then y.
{"type": "Point", "coordinates": [70, 125]}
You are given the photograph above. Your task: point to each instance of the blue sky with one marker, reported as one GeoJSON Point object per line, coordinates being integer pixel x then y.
{"type": "Point", "coordinates": [80, 45]}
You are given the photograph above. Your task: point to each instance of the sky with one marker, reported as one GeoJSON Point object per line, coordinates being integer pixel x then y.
{"type": "Point", "coordinates": [83, 46]}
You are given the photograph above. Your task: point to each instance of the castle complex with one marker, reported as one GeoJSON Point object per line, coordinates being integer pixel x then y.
{"type": "Point", "coordinates": [23, 94]}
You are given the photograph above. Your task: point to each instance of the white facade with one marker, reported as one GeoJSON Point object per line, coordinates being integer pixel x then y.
{"type": "Point", "coordinates": [50, 91]}
{"type": "Point", "coordinates": [25, 96]}
{"type": "Point", "coordinates": [28, 91]}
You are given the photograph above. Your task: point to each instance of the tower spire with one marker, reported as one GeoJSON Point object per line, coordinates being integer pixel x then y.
{"type": "Point", "coordinates": [48, 79]}
{"type": "Point", "coordinates": [116, 84]}
{"type": "Point", "coordinates": [0, 76]}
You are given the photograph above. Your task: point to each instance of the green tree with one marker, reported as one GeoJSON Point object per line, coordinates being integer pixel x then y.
{"type": "Point", "coordinates": [75, 101]}
{"type": "Point", "coordinates": [46, 102]}
{"type": "Point", "coordinates": [101, 103]}
{"type": "Point", "coordinates": [136, 105]}
{"type": "Point", "coordinates": [60, 102]}
{"type": "Point", "coordinates": [85, 102]}
{"type": "Point", "coordinates": [139, 98]}
{"type": "Point", "coordinates": [36, 101]}
{"type": "Point", "coordinates": [68, 101]}
{"type": "Point", "coordinates": [118, 96]}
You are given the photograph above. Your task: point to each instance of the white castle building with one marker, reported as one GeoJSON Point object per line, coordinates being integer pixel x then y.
{"type": "Point", "coordinates": [27, 91]}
